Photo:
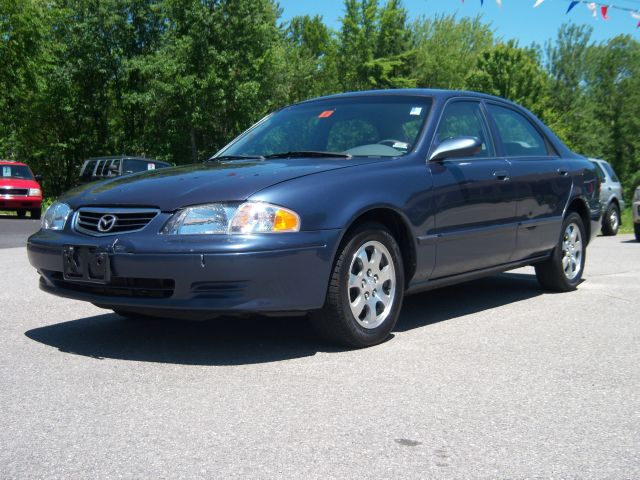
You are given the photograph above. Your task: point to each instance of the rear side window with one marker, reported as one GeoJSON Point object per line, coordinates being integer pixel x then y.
{"type": "Point", "coordinates": [134, 166]}
{"type": "Point", "coordinates": [87, 171]}
{"type": "Point", "coordinates": [465, 119]}
{"type": "Point", "coordinates": [519, 137]}
{"type": "Point", "coordinates": [612, 174]}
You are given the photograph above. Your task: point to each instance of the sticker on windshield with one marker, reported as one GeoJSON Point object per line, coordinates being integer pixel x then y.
{"type": "Point", "coordinates": [6, 171]}
{"type": "Point", "coordinates": [401, 145]}
{"type": "Point", "coordinates": [326, 114]}
{"type": "Point", "coordinates": [151, 166]}
{"type": "Point", "coordinates": [415, 111]}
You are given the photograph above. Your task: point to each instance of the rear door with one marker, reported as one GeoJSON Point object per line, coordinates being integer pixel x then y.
{"type": "Point", "coordinates": [474, 197]}
{"type": "Point", "coordinates": [541, 178]}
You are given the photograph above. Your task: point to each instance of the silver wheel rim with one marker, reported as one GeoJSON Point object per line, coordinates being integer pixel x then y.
{"type": "Point", "coordinates": [572, 251]}
{"type": "Point", "coordinates": [613, 219]}
{"type": "Point", "coordinates": [371, 288]}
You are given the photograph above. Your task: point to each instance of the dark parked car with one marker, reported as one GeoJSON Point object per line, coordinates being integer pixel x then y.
{"type": "Point", "coordinates": [337, 206]}
{"type": "Point", "coordinates": [100, 168]}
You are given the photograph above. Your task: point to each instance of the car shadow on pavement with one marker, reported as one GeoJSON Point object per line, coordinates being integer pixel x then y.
{"type": "Point", "coordinates": [242, 341]}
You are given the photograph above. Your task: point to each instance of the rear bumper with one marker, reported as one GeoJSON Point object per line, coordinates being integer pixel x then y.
{"type": "Point", "coordinates": [265, 274]}
{"type": "Point", "coordinates": [14, 202]}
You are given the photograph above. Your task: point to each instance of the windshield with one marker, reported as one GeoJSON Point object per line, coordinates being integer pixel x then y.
{"type": "Point", "coordinates": [16, 171]}
{"type": "Point", "coordinates": [358, 126]}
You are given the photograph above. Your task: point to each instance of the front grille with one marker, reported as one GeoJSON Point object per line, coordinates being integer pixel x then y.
{"type": "Point", "coordinates": [15, 192]}
{"type": "Point", "coordinates": [87, 220]}
{"type": "Point", "coordinates": [119, 286]}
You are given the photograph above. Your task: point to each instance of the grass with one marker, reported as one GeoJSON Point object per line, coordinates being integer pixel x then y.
{"type": "Point", "coordinates": [627, 221]}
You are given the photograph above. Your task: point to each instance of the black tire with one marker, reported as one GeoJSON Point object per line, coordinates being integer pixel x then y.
{"type": "Point", "coordinates": [21, 213]}
{"type": "Point", "coordinates": [36, 213]}
{"type": "Point", "coordinates": [550, 273]}
{"type": "Point", "coordinates": [335, 321]}
{"type": "Point", "coordinates": [611, 220]}
{"type": "Point", "coordinates": [636, 229]}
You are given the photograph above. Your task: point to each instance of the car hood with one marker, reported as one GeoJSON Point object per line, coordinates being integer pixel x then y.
{"type": "Point", "coordinates": [18, 183]}
{"type": "Point", "coordinates": [171, 188]}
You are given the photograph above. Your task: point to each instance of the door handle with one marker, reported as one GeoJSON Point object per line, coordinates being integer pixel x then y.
{"type": "Point", "coordinates": [562, 172]}
{"type": "Point", "coordinates": [501, 175]}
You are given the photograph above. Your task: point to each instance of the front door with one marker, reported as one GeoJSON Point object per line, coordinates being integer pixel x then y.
{"type": "Point", "coordinates": [474, 198]}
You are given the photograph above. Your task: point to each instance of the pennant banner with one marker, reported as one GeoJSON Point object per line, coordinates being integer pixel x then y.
{"type": "Point", "coordinates": [593, 8]}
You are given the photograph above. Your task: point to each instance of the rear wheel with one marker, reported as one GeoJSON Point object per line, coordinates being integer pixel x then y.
{"type": "Point", "coordinates": [21, 213]}
{"type": "Point", "coordinates": [35, 213]}
{"type": "Point", "coordinates": [636, 229]}
{"type": "Point", "coordinates": [365, 290]}
{"type": "Point", "coordinates": [611, 220]}
{"type": "Point", "coordinates": [562, 271]}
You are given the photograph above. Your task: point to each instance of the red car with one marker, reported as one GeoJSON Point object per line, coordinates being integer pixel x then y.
{"type": "Point", "coordinates": [19, 189]}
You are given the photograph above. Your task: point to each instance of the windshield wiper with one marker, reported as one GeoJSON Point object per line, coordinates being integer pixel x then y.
{"type": "Point", "coordinates": [308, 153]}
{"type": "Point", "coordinates": [236, 157]}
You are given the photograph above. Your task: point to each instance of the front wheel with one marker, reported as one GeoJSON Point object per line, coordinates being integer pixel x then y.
{"type": "Point", "coordinates": [562, 271]}
{"type": "Point", "coordinates": [21, 213]}
{"type": "Point", "coordinates": [611, 220]}
{"type": "Point", "coordinates": [365, 289]}
{"type": "Point", "coordinates": [36, 213]}
{"type": "Point", "coordinates": [636, 229]}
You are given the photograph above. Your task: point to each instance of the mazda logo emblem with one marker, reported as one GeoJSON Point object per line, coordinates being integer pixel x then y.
{"type": "Point", "coordinates": [106, 223]}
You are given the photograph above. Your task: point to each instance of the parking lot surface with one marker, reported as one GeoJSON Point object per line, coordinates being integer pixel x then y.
{"type": "Point", "coordinates": [489, 379]}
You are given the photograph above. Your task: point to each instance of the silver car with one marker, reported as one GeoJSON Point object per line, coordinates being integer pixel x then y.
{"type": "Point", "coordinates": [611, 196]}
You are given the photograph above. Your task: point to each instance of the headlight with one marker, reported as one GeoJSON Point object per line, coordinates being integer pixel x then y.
{"type": "Point", "coordinates": [221, 218]}
{"type": "Point", "coordinates": [56, 216]}
{"type": "Point", "coordinates": [35, 192]}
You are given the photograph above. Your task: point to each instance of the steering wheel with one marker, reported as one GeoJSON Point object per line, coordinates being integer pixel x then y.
{"type": "Point", "coordinates": [390, 142]}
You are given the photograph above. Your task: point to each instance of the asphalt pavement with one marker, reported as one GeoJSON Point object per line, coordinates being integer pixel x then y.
{"type": "Point", "coordinates": [14, 231]}
{"type": "Point", "coordinates": [489, 379]}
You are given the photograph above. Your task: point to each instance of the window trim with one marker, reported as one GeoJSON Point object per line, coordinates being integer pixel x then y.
{"type": "Point", "coordinates": [483, 112]}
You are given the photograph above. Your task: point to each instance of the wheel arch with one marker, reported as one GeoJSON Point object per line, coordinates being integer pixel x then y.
{"type": "Point", "coordinates": [399, 227]}
{"type": "Point", "coordinates": [579, 206]}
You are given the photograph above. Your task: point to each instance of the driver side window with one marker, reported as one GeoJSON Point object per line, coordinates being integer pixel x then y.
{"type": "Point", "coordinates": [465, 119]}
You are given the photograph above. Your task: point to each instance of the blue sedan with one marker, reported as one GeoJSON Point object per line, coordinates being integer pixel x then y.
{"type": "Point", "coordinates": [335, 207]}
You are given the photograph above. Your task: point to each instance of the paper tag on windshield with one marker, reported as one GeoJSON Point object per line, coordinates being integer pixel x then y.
{"type": "Point", "coordinates": [151, 166]}
{"type": "Point", "coordinates": [415, 111]}
{"type": "Point", "coordinates": [6, 171]}
{"type": "Point", "coordinates": [401, 145]}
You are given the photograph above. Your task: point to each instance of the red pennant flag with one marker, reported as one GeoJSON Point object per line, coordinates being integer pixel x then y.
{"type": "Point", "coordinates": [603, 11]}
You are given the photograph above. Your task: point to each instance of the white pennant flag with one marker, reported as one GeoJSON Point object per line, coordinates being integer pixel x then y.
{"type": "Point", "coordinates": [635, 15]}
{"type": "Point", "coordinates": [499, 2]}
{"type": "Point", "coordinates": [538, 3]}
{"type": "Point", "coordinates": [593, 6]}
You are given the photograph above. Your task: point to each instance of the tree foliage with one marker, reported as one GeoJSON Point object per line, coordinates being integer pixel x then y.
{"type": "Point", "coordinates": [177, 79]}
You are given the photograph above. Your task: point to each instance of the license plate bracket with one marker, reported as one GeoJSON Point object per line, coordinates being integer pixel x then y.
{"type": "Point", "coordinates": [86, 265]}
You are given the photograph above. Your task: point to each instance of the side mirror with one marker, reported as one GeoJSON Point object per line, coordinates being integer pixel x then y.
{"type": "Point", "coordinates": [38, 178]}
{"type": "Point", "coordinates": [456, 147]}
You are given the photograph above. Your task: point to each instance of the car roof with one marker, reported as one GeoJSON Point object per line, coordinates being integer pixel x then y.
{"type": "Point", "coordinates": [416, 92]}
{"type": "Point", "coordinates": [11, 162]}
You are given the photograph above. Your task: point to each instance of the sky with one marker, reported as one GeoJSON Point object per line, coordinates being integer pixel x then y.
{"type": "Point", "coordinates": [517, 19]}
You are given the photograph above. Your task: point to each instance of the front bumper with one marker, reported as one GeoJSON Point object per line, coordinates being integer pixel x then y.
{"type": "Point", "coordinates": [12, 202]}
{"type": "Point", "coordinates": [185, 274]}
